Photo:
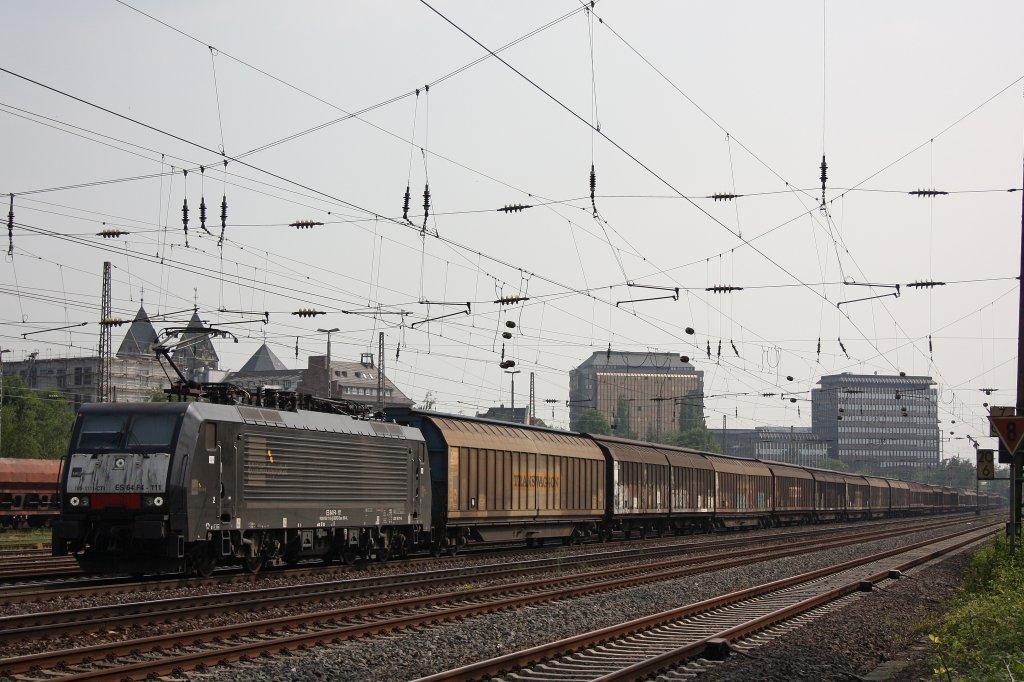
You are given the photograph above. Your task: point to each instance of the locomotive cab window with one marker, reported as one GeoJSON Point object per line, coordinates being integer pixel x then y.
{"type": "Point", "coordinates": [120, 431]}
{"type": "Point", "coordinates": [152, 430]}
{"type": "Point", "coordinates": [102, 431]}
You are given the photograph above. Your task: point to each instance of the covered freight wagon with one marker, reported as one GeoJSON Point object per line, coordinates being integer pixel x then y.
{"type": "Point", "coordinates": [744, 491]}
{"type": "Point", "coordinates": [656, 488]}
{"type": "Point", "coordinates": [878, 496]}
{"type": "Point", "coordinates": [495, 481]}
{"type": "Point", "coordinates": [792, 494]}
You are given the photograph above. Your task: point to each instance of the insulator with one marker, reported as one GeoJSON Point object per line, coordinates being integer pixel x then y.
{"type": "Point", "coordinates": [689, 330]}
{"type": "Point", "coordinates": [734, 349]}
{"type": "Point", "coordinates": [111, 234]}
{"type": "Point", "coordinates": [305, 224]}
{"type": "Point", "coordinates": [509, 300]}
{"type": "Point", "coordinates": [768, 395]}
{"type": "Point", "coordinates": [608, 353]}
{"type": "Point", "coordinates": [819, 348]}
{"type": "Point", "coordinates": [684, 358]}
{"type": "Point", "coordinates": [502, 352]}
{"type": "Point", "coordinates": [202, 214]}
{"type": "Point", "coordinates": [296, 348]}
{"type": "Point", "coordinates": [723, 196]}
{"type": "Point", "coordinates": [308, 312]}
{"type": "Point", "coordinates": [514, 208]}
{"type": "Point", "coordinates": [927, 193]}
{"type": "Point", "coordinates": [184, 219]}
{"type": "Point", "coordinates": [10, 228]}
{"type": "Point", "coordinates": [223, 216]}
{"type": "Point", "coordinates": [405, 204]}
{"type": "Point", "coordinates": [398, 351]}
{"type": "Point", "coordinates": [593, 188]}
{"type": "Point", "coordinates": [719, 348]}
{"type": "Point", "coordinates": [426, 204]}
{"type": "Point", "coordinates": [723, 289]}
{"type": "Point", "coordinates": [926, 284]}
{"type": "Point", "coordinates": [709, 349]}
{"type": "Point", "coordinates": [929, 344]}
{"type": "Point", "coordinates": [844, 349]}
{"type": "Point", "coordinates": [789, 378]}
{"type": "Point", "coordinates": [792, 400]}
{"type": "Point", "coordinates": [506, 335]}
{"type": "Point", "coordinates": [510, 324]}
{"type": "Point", "coordinates": [824, 177]}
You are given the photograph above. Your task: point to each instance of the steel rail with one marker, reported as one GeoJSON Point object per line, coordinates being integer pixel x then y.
{"type": "Point", "coordinates": [519, 660]}
{"type": "Point", "coordinates": [443, 607]}
{"type": "Point", "coordinates": [50, 623]}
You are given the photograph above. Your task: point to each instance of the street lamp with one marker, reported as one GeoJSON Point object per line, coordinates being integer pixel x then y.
{"type": "Point", "coordinates": [2, 351]}
{"type": "Point", "coordinates": [328, 332]}
{"type": "Point", "coordinates": [513, 372]}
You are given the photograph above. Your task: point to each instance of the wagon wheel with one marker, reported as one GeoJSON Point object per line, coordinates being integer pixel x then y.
{"type": "Point", "coordinates": [253, 564]}
{"type": "Point", "coordinates": [383, 554]}
{"type": "Point", "coordinates": [453, 548]}
{"type": "Point", "coordinates": [348, 555]}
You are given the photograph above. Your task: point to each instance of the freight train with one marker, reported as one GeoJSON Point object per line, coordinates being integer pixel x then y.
{"type": "Point", "coordinates": [28, 492]}
{"type": "Point", "coordinates": [188, 486]}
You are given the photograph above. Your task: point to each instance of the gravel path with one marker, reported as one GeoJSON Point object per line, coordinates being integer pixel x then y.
{"type": "Point", "coordinates": [850, 643]}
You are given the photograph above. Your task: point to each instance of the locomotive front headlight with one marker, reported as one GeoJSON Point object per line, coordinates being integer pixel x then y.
{"type": "Point", "coordinates": [77, 501]}
{"type": "Point", "coordinates": [158, 501]}
{"type": "Point", "coordinates": [74, 501]}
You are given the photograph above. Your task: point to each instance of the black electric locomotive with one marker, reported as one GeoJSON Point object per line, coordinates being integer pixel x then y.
{"type": "Point", "coordinates": [184, 486]}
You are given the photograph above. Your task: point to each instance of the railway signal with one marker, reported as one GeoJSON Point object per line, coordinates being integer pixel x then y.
{"type": "Point", "coordinates": [986, 468]}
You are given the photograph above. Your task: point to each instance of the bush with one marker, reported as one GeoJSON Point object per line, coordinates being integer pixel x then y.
{"type": "Point", "coordinates": [980, 637]}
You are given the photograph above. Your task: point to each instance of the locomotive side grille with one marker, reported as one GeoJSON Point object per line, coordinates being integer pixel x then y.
{"type": "Point", "coordinates": [324, 468]}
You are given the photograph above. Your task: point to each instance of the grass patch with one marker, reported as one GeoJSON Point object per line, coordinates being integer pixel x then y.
{"type": "Point", "coordinates": [38, 536]}
{"type": "Point", "coordinates": [980, 637]}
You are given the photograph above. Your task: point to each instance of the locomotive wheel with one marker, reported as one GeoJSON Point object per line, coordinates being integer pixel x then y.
{"type": "Point", "coordinates": [202, 561]}
{"type": "Point", "coordinates": [253, 564]}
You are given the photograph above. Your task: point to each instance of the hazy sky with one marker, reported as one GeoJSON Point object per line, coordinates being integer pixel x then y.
{"type": "Point", "coordinates": [691, 100]}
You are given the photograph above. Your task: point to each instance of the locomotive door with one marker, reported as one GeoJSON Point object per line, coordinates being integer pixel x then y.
{"type": "Point", "coordinates": [204, 488]}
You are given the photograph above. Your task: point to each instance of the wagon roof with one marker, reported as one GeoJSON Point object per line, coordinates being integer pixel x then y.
{"type": "Point", "coordinates": [625, 450]}
{"type": "Point", "coordinates": [736, 465]}
{"type": "Point", "coordinates": [474, 433]}
{"type": "Point", "coordinates": [788, 470]}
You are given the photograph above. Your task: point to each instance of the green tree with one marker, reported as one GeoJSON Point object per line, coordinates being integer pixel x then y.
{"type": "Point", "coordinates": [833, 464]}
{"type": "Point", "coordinates": [157, 396]}
{"type": "Point", "coordinates": [35, 426]}
{"type": "Point", "coordinates": [592, 421]}
{"type": "Point", "coordinates": [623, 423]}
{"type": "Point", "coordinates": [693, 431]}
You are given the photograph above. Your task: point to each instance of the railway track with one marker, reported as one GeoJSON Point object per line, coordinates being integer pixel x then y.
{"type": "Point", "coordinates": [661, 643]}
{"type": "Point", "coordinates": [30, 586]}
{"type": "Point", "coordinates": [163, 653]}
